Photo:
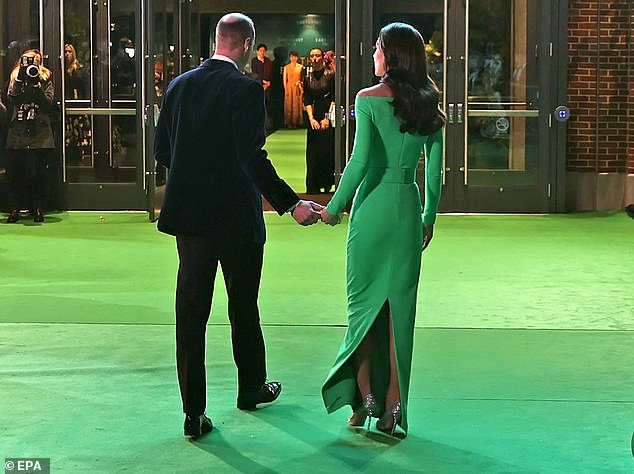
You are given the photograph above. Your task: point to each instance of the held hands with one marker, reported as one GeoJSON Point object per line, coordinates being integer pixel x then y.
{"type": "Point", "coordinates": [307, 212]}
{"type": "Point", "coordinates": [428, 234]}
{"type": "Point", "coordinates": [328, 218]}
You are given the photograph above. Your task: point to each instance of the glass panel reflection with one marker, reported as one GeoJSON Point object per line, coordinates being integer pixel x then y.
{"type": "Point", "coordinates": [123, 51]}
{"type": "Point", "coordinates": [502, 125]}
{"type": "Point", "coordinates": [428, 18]}
{"type": "Point", "coordinates": [77, 85]}
{"type": "Point", "coordinates": [100, 65]}
{"type": "Point", "coordinates": [21, 35]}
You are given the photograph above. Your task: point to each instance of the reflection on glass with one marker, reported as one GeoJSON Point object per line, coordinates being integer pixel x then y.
{"type": "Point", "coordinates": [429, 20]}
{"type": "Point", "coordinates": [14, 46]}
{"type": "Point", "coordinates": [502, 117]}
{"type": "Point", "coordinates": [124, 142]}
{"type": "Point", "coordinates": [76, 53]}
{"type": "Point", "coordinates": [164, 54]}
{"type": "Point", "coordinates": [100, 64]}
{"type": "Point", "coordinates": [123, 51]}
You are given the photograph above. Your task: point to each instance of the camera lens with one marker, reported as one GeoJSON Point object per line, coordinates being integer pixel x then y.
{"type": "Point", "coordinates": [32, 71]}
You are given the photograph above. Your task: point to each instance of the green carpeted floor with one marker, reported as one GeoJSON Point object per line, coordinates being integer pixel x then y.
{"type": "Point", "coordinates": [522, 362]}
{"type": "Point", "coordinates": [287, 152]}
{"type": "Point", "coordinates": [549, 272]}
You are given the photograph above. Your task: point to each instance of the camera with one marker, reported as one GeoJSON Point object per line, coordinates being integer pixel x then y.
{"type": "Point", "coordinates": [29, 72]}
{"type": "Point", "coordinates": [27, 112]}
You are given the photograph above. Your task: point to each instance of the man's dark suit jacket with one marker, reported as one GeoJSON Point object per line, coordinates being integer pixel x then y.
{"type": "Point", "coordinates": [210, 136]}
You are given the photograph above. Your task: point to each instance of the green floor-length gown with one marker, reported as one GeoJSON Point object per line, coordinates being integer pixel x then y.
{"type": "Point", "coordinates": [384, 246]}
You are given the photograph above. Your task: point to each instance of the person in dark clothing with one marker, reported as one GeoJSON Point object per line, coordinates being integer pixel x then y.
{"type": "Point", "coordinates": [75, 81]}
{"type": "Point", "coordinates": [210, 135]}
{"type": "Point", "coordinates": [319, 96]}
{"type": "Point", "coordinates": [262, 67]}
{"type": "Point", "coordinates": [78, 129]}
{"type": "Point", "coordinates": [276, 91]}
{"type": "Point", "coordinates": [262, 70]}
{"type": "Point", "coordinates": [124, 70]}
{"type": "Point", "coordinates": [29, 136]}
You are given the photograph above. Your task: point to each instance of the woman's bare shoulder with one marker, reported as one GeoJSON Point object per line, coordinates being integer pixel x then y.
{"type": "Point", "coordinates": [380, 90]}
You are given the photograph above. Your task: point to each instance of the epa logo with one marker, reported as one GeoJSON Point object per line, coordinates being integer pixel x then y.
{"type": "Point", "coordinates": [28, 465]}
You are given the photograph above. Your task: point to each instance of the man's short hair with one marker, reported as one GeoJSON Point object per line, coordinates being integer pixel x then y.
{"type": "Point", "coordinates": [261, 45]}
{"type": "Point", "coordinates": [233, 28]}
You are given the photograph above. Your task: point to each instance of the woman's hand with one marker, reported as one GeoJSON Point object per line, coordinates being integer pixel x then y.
{"type": "Point", "coordinates": [328, 218]}
{"type": "Point", "coordinates": [314, 124]}
{"type": "Point", "coordinates": [428, 234]}
{"type": "Point", "coordinates": [325, 124]}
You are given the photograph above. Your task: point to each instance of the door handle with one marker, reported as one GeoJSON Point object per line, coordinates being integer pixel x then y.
{"type": "Point", "coordinates": [460, 110]}
{"type": "Point", "coordinates": [450, 108]}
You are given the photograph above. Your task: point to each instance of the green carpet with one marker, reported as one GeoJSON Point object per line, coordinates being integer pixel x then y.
{"type": "Point", "coordinates": [490, 397]}
{"type": "Point", "coordinates": [287, 152]}
{"type": "Point", "coordinates": [549, 272]}
{"type": "Point", "coordinates": [104, 398]}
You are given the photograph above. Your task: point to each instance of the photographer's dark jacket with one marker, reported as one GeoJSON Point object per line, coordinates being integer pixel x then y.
{"type": "Point", "coordinates": [30, 134]}
{"type": "Point", "coordinates": [210, 135]}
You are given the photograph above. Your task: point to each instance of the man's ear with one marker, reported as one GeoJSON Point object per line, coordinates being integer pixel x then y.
{"type": "Point", "coordinates": [248, 44]}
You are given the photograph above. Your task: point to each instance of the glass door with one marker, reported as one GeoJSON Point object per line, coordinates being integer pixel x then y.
{"type": "Point", "coordinates": [497, 127]}
{"type": "Point", "coordinates": [490, 59]}
{"type": "Point", "coordinates": [102, 104]}
{"type": "Point", "coordinates": [171, 47]}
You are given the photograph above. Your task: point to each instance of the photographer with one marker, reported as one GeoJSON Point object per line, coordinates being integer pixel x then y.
{"type": "Point", "coordinates": [30, 136]}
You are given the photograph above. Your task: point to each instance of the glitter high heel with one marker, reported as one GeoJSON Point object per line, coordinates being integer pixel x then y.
{"type": "Point", "coordinates": [368, 409]}
{"type": "Point", "coordinates": [387, 423]}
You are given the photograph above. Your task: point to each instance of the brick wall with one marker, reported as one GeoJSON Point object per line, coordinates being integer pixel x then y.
{"type": "Point", "coordinates": [600, 86]}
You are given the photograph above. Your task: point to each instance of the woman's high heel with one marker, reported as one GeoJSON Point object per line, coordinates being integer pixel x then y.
{"type": "Point", "coordinates": [387, 423]}
{"type": "Point", "coordinates": [368, 409]}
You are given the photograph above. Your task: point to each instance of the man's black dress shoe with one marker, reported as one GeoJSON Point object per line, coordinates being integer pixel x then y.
{"type": "Point", "coordinates": [195, 426]}
{"type": "Point", "coordinates": [13, 217]}
{"type": "Point", "coordinates": [39, 216]}
{"type": "Point", "coordinates": [268, 393]}
{"type": "Point", "coordinates": [630, 210]}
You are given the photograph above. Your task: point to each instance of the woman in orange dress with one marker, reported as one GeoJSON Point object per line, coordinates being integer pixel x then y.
{"type": "Point", "coordinates": [293, 94]}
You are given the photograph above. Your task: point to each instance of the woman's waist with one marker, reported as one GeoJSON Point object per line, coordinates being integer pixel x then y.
{"type": "Point", "coordinates": [406, 176]}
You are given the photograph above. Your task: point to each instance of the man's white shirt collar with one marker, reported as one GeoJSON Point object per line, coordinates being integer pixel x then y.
{"type": "Point", "coordinates": [220, 57]}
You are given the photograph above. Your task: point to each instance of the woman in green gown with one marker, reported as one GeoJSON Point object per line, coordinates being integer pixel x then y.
{"type": "Point", "coordinates": [388, 230]}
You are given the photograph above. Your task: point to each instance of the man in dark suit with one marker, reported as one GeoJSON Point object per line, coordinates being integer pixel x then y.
{"type": "Point", "coordinates": [210, 136]}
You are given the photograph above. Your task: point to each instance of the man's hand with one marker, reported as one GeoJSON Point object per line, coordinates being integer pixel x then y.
{"type": "Point", "coordinates": [306, 212]}
{"type": "Point", "coordinates": [266, 84]}
{"type": "Point", "coordinates": [328, 218]}
{"type": "Point", "coordinates": [428, 233]}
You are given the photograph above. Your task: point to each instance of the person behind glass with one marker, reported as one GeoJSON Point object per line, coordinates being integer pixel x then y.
{"type": "Point", "coordinates": [78, 130]}
{"type": "Point", "coordinates": [293, 93]}
{"type": "Point", "coordinates": [262, 67]}
{"type": "Point", "coordinates": [75, 87]}
{"type": "Point", "coordinates": [319, 96]}
{"type": "Point", "coordinates": [388, 230]}
{"type": "Point", "coordinates": [29, 135]}
{"type": "Point", "coordinates": [329, 60]}
{"type": "Point", "coordinates": [124, 69]}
